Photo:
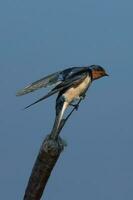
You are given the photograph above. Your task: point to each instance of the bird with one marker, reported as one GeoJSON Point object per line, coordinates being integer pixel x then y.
{"type": "Point", "coordinates": [71, 84]}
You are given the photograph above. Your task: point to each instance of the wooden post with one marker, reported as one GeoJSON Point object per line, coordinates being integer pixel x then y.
{"type": "Point", "coordinates": [46, 160]}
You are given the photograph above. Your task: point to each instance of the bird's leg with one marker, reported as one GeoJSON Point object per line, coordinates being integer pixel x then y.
{"type": "Point", "coordinates": [76, 106]}
{"type": "Point", "coordinates": [82, 96]}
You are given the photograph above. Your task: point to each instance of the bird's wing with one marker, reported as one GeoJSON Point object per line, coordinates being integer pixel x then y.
{"type": "Point", "coordinates": [73, 71]}
{"type": "Point", "coordinates": [50, 80]}
{"type": "Point", "coordinates": [66, 84]}
{"type": "Point", "coordinates": [75, 80]}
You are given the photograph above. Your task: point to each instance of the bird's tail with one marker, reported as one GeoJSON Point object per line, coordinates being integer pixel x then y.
{"type": "Point", "coordinates": [58, 119]}
{"type": "Point", "coordinates": [42, 98]}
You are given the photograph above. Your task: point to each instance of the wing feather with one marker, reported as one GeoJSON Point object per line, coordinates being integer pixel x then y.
{"type": "Point", "coordinates": [51, 79]}
{"type": "Point", "coordinates": [68, 83]}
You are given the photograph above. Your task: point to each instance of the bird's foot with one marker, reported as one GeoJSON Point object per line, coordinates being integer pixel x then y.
{"type": "Point", "coordinates": [83, 96]}
{"type": "Point", "coordinates": [76, 106]}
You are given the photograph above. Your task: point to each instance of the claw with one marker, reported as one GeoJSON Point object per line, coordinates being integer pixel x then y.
{"type": "Point", "coordinates": [83, 96]}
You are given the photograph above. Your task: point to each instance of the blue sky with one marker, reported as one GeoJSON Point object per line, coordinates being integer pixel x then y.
{"type": "Point", "coordinates": [41, 37]}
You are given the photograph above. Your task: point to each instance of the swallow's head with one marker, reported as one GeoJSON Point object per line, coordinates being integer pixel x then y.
{"type": "Point", "coordinates": [97, 72]}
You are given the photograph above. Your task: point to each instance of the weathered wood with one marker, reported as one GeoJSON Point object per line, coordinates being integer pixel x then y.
{"type": "Point", "coordinates": [46, 160]}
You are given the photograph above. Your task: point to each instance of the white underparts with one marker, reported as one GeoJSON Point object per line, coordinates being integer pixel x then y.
{"type": "Point", "coordinates": [75, 93]}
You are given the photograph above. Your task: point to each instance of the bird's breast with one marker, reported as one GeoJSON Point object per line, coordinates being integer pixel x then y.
{"type": "Point", "coordinates": [76, 91]}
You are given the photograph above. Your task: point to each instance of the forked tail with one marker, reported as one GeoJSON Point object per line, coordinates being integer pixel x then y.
{"type": "Point", "coordinates": [58, 119]}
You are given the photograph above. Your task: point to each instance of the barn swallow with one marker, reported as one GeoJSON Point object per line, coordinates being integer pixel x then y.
{"type": "Point", "coordinates": [71, 84]}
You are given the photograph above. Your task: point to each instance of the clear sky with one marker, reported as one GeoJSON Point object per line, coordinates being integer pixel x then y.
{"type": "Point", "coordinates": [40, 37]}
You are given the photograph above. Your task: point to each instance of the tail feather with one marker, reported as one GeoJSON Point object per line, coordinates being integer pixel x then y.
{"type": "Point", "coordinates": [58, 119]}
{"type": "Point", "coordinates": [41, 99]}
